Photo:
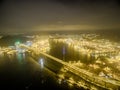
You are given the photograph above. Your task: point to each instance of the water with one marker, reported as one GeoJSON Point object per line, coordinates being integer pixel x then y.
{"type": "Point", "coordinates": [22, 72]}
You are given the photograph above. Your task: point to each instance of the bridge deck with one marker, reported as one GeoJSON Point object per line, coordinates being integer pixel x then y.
{"type": "Point", "coordinates": [99, 81]}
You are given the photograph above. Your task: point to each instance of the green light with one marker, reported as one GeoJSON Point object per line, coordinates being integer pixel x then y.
{"type": "Point", "coordinates": [17, 43]}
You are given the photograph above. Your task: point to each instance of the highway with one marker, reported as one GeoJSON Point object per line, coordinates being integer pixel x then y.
{"type": "Point", "coordinates": [105, 83]}
{"type": "Point", "coordinates": [85, 75]}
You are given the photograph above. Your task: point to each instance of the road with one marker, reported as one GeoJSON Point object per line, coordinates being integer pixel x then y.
{"type": "Point", "coordinates": [87, 76]}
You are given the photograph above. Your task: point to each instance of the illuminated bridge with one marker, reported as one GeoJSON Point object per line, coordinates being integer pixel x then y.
{"type": "Point", "coordinates": [89, 78]}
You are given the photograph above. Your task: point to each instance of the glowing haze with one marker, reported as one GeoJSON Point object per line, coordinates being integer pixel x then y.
{"type": "Point", "coordinates": [55, 15]}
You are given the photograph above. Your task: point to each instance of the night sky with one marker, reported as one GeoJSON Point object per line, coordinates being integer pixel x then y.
{"type": "Point", "coordinates": [55, 15]}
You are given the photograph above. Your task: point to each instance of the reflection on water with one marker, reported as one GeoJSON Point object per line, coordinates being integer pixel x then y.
{"type": "Point", "coordinates": [20, 57]}
{"type": "Point", "coordinates": [41, 62]}
{"type": "Point", "coordinates": [20, 71]}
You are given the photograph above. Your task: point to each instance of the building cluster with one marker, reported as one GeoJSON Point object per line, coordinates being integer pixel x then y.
{"type": "Point", "coordinates": [96, 54]}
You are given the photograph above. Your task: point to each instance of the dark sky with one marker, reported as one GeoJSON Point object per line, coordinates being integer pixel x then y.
{"type": "Point", "coordinates": [38, 15]}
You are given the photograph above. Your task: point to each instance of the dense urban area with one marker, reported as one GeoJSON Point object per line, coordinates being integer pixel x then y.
{"type": "Point", "coordinates": [94, 58]}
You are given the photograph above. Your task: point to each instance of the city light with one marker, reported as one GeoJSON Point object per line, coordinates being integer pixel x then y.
{"type": "Point", "coordinates": [85, 56]}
